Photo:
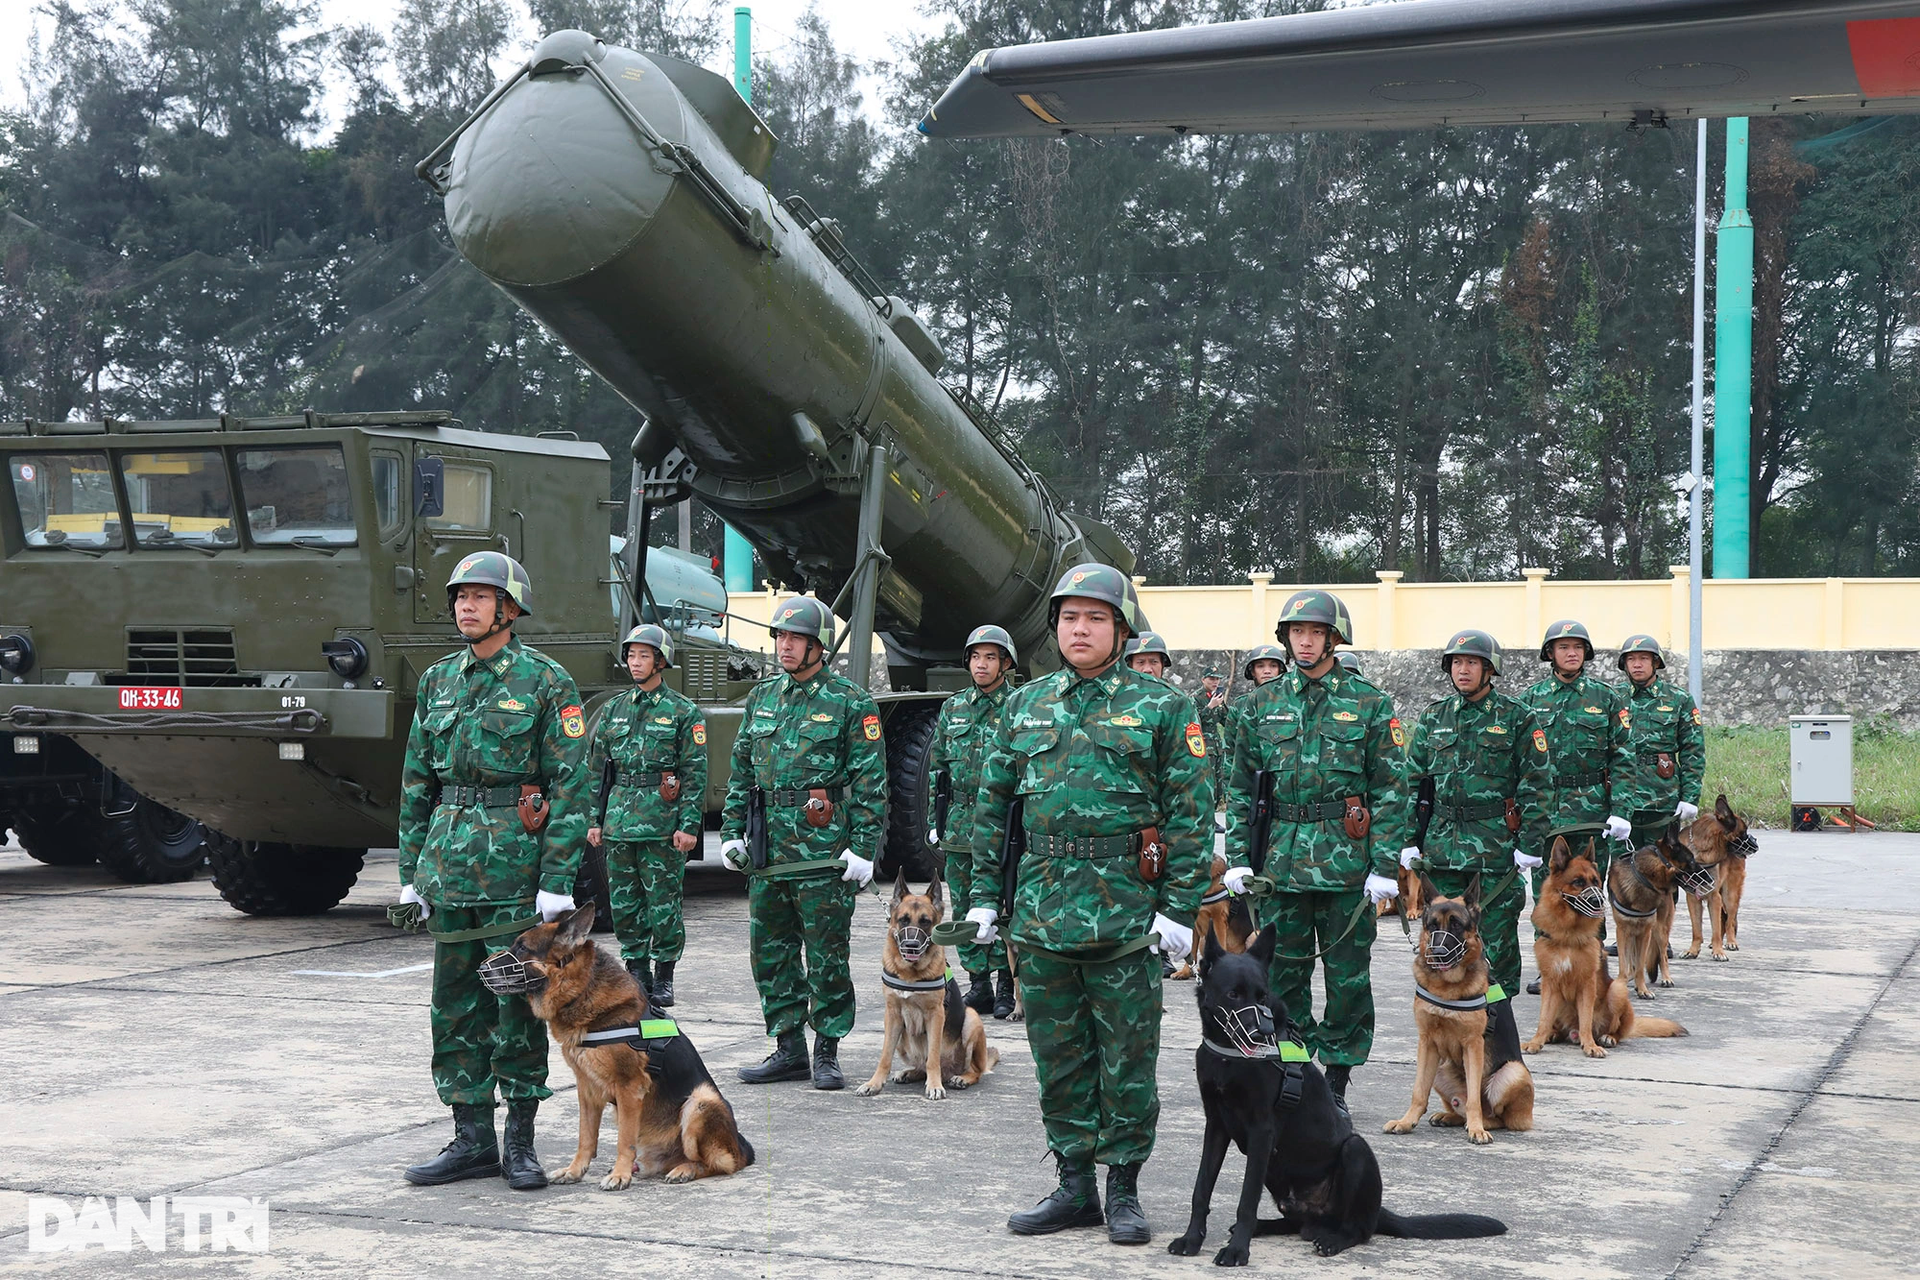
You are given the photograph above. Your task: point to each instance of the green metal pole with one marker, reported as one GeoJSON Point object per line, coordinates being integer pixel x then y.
{"type": "Point", "coordinates": [1733, 367]}
{"type": "Point", "coordinates": [738, 558]}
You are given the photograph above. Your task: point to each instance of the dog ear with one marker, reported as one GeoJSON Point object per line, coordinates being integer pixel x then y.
{"type": "Point", "coordinates": [1427, 890]}
{"type": "Point", "coordinates": [1210, 953]}
{"type": "Point", "coordinates": [575, 926]}
{"type": "Point", "coordinates": [1261, 945]}
{"type": "Point", "coordinates": [933, 891]}
{"type": "Point", "coordinates": [1724, 812]}
{"type": "Point", "coordinates": [900, 889]}
{"type": "Point", "coordinates": [1472, 896]}
{"type": "Point", "coordinates": [1557, 860]}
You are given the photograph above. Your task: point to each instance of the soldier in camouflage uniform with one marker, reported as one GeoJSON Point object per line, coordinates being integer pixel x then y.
{"type": "Point", "coordinates": [1264, 664]}
{"type": "Point", "coordinates": [1588, 728]}
{"type": "Point", "coordinates": [492, 720]}
{"type": "Point", "coordinates": [810, 741]}
{"type": "Point", "coordinates": [1214, 710]}
{"type": "Point", "coordinates": [649, 760]}
{"type": "Point", "coordinates": [1101, 759]}
{"type": "Point", "coordinates": [1332, 745]}
{"type": "Point", "coordinates": [1490, 766]}
{"type": "Point", "coordinates": [1669, 750]}
{"type": "Point", "coordinates": [1147, 653]}
{"type": "Point", "coordinates": [963, 732]}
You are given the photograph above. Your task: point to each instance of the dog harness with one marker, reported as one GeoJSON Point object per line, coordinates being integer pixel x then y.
{"type": "Point", "coordinates": [649, 1033]}
{"type": "Point", "coordinates": [921, 984]}
{"type": "Point", "coordinates": [1284, 1051]}
{"type": "Point", "coordinates": [1259, 1045]}
{"type": "Point", "coordinates": [1494, 995]}
{"type": "Point", "coordinates": [1212, 898]}
{"type": "Point", "coordinates": [1645, 883]}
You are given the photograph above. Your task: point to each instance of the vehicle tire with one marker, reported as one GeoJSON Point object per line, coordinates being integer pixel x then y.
{"type": "Point", "coordinates": [268, 878]}
{"type": "Point", "coordinates": [910, 733]}
{"type": "Point", "coordinates": [150, 843]}
{"type": "Point", "coordinates": [59, 837]}
{"type": "Point", "coordinates": [591, 886]}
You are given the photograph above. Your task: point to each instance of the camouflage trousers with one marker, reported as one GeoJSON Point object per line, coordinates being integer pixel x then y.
{"type": "Point", "coordinates": [1499, 920]}
{"type": "Point", "coordinates": [974, 958]}
{"type": "Point", "coordinates": [644, 880]}
{"type": "Point", "coordinates": [478, 1037]}
{"type": "Point", "coordinates": [1577, 806]}
{"type": "Point", "coordinates": [1095, 1034]}
{"type": "Point", "coordinates": [1303, 923]}
{"type": "Point", "coordinates": [783, 918]}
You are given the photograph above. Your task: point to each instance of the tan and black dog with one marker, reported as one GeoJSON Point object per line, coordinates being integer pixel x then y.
{"type": "Point", "coordinates": [1578, 995]}
{"type": "Point", "coordinates": [1469, 1050]}
{"type": "Point", "coordinates": [1718, 840]}
{"type": "Point", "coordinates": [1222, 916]}
{"type": "Point", "coordinates": [672, 1120]}
{"type": "Point", "coordinates": [939, 1039]}
{"type": "Point", "coordinates": [1640, 892]}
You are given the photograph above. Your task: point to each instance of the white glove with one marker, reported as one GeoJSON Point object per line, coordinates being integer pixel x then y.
{"type": "Point", "coordinates": [1409, 856]}
{"type": "Point", "coordinates": [933, 835]}
{"type": "Point", "coordinates": [982, 918]}
{"type": "Point", "coordinates": [1618, 828]}
{"type": "Point", "coordinates": [1686, 812]}
{"type": "Point", "coordinates": [1175, 939]}
{"type": "Point", "coordinates": [1236, 879]}
{"type": "Point", "coordinates": [859, 870]}
{"type": "Point", "coordinates": [409, 894]}
{"type": "Point", "coordinates": [734, 854]}
{"type": "Point", "coordinates": [1381, 889]}
{"type": "Point", "coordinates": [550, 905]}
{"type": "Point", "coordinates": [1527, 860]}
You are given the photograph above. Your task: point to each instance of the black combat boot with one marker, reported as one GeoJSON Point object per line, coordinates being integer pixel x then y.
{"type": "Point", "coordinates": [826, 1063]}
{"type": "Point", "coordinates": [1126, 1222]}
{"type": "Point", "coordinates": [1337, 1077]}
{"type": "Point", "coordinates": [1533, 988]}
{"type": "Point", "coordinates": [473, 1153]}
{"type": "Point", "coordinates": [1074, 1203]}
{"type": "Point", "coordinates": [643, 974]}
{"type": "Point", "coordinates": [1612, 948]}
{"type": "Point", "coordinates": [1003, 1000]}
{"type": "Point", "coordinates": [980, 991]}
{"type": "Point", "coordinates": [663, 983]}
{"type": "Point", "coordinates": [518, 1161]}
{"type": "Point", "coordinates": [788, 1061]}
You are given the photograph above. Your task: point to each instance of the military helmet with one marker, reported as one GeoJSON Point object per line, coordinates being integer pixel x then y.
{"type": "Point", "coordinates": [804, 616]}
{"type": "Point", "coordinates": [991, 635]}
{"type": "Point", "coordinates": [1315, 606]}
{"type": "Point", "coordinates": [648, 634]}
{"type": "Point", "coordinates": [1350, 662]}
{"type": "Point", "coordinates": [1472, 644]}
{"type": "Point", "coordinates": [1150, 642]}
{"type": "Point", "coordinates": [493, 569]}
{"type": "Point", "coordinates": [1263, 651]}
{"type": "Point", "coordinates": [1642, 644]}
{"type": "Point", "coordinates": [1565, 629]}
{"type": "Point", "coordinates": [1102, 582]}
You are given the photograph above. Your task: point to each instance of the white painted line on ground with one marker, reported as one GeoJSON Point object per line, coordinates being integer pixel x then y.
{"type": "Point", "coordinates": [342, 973]}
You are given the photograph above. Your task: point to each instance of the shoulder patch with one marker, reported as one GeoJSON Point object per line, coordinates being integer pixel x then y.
{"type": "Point", "coordinates": [1626, 719]}
{"type": "Point", "coordinates": [1539, 739]}
{"type": "Point", "coordinates": [870, 725]}
{"type": "Point", "coordinates": [1696, 715]}
{"type": "Point", "coordinates": [1196, 741]}
{"type": "Point", "coordinates": [699, 733]}
{"type": "Point", "coordinates": [1398, 731]}
{"type": "Point", "coordinates": [573, 721]}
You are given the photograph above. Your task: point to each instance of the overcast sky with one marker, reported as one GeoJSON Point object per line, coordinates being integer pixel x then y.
{"type": "Point", "coordinates": [864, 29]}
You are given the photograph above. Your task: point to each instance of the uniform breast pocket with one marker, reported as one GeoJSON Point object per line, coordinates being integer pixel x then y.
{"type": "Point", "coordinates": [1038, 751]}
{"type": "Point", "coordinates": [1125, 760]}
{"type": "Point", "coordinates": [1657, 730]}
{"type": "Point", "coordinates": [437, 723]}
{"type": "Point", "coordinates": [758, 732]}
{"type": "Point", "coordinates": [507, 737]}
{"type": "Point", "coordinates": [1346, 747]}
{"type": "Point", "coordinates": [1443, 745]}
{"type": "Point", "coordinates": [656, 745]}
{"type": "Point", "coordinates": [1279, 743]}
{"type": "Point", "coordinates": [819, 747]}
{"type": "Point", "coordinates": [1494, 741]}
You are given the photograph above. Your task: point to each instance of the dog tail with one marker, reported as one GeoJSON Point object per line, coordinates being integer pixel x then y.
{"type": "Point", "coordinates": [1239, 915]}
{"type": "Point", "coordinates": [1438, 1226]}
{"type": "Point", "coordinates": [746, 1148]}
{"type": "Point", "coordinates": [1655, 1028]}
{"type": "Point", "coordinates": [993, 1058]}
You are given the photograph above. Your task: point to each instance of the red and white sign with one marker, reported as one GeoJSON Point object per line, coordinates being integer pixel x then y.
{"type": "Point", "coordinates": [149, 698]}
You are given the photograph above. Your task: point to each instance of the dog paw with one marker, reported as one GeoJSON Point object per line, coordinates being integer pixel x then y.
{"type": "Point", "coordinates": [957, 1083]}
{"type": "Point", "coordinates": [616, 1182]}
{"type": "Point", "coordinates": [1185, 1246]}
{"type": "Point", "coordinates": [567, 1176]}
{"type": "Point", "coordinates": [1593, 1051]}
{"type": "Point", "coordinates": [1607, 1042]}
{"type": "Point", "coordinates": [1733, 946]}
{"type": "Point", "coordinates": [1019, 1015]}
{"type": "Point", "coordinates": [914, 1076]}
{"type": "Point", "coordinates": [1532, 1046]}
{"type": "Point", "coordinates": [1479, 1137]}
{"type": "Point", "coordinates": [870, 1088]}
{"type": "Point", "coordinates": [935, 1093]}
{"type": "Point", "coordinates": [1720, 956]}
{"type": "Point", "coordinates": [1326, 1248]}
{"type": "Point", "coordinates": [1692, 954]}
{"type": "Point", "coordinates": [1446, 1119]}
{"type": "Point", "coordinates": [681, 1173]}
{"type": "Point", "coordinates": [1402, 1125]}
{"type": "Point", "coordinates": [1668, 983]}
{"type": "Point", "coordinates": [1233, 1255]}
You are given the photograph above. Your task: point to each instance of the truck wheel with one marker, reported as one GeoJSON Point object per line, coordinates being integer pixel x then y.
{"type": "Point", "coordinates": [150, 843]}
{"type": "Point", "coordinates": [59, 837]}
{"type": "Point", "coordinates": [591, 886]}
{"type": "Point", "coordinates": [909, 801]}
{"type": "Point", "coordinates": [268, 878]}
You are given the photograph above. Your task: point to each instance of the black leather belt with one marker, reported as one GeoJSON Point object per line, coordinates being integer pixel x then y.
{"type": "Point", "coordinates": [1578, 779]}
{"type": "Point", "coordinates": [1326, 811]}
{"type": "Point", "coordinates": [506, 797]}
{"type": "Point", "coordinates": [1471, 812]}
{"type": "Point", "coordinates": [798, 799]}
{"type": "Point", "coordinates": [638, 779]}
{"type": "Point", "coordinates": [1048, 846]}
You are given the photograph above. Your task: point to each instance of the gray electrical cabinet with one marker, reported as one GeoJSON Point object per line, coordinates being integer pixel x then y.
{"type": "Point", "coordinates": [1821, 760]}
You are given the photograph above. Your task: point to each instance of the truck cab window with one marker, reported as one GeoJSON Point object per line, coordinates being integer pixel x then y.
{"type": "Point", "coordinates": [468, 498]}
{"type": "Point", "coordinates": [387, 509]}
{"type": "Point", "coordinates": [66, 499]}
{"type": "Point", "coordinates": [297, 495]}
{"type": "Point", "coordinates": [180, 499]}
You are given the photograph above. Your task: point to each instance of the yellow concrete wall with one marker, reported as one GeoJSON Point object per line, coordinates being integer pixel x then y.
{"type": "Point", "coordinates": [1757, 613]}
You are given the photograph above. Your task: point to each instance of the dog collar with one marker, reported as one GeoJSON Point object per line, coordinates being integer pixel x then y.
{"type": "Point", "coordinates": [923, 984]}
{"type": "Point", "coordinates": [1494, 995]}
{"type": "Point", "coordinates": [1284, 1051]}
{"type": "Point", "coordinates": [1629, 912]}
{"type": "Point", "coordinates": [1212, 898]}
{"type": "Point", "coordinates": [649, 1031]}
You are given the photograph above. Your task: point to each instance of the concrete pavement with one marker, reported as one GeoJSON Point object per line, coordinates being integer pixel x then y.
{"type": "Point", "coordinates": [155, 1042]}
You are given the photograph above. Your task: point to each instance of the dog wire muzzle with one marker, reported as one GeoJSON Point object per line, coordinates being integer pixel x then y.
{"type": "Point", "coordinates": [1590, 901]}
{"type": "Point", "coordinates": [1698, 881]}
{"type": "Point", "coordinates": [506, 974]}
{"type": "Point", "coordinates": [1744, 845]}
{"type": "Point", "coordinates": [1445, 948]}
{"type": "Point", "coordinates": [912, 940]}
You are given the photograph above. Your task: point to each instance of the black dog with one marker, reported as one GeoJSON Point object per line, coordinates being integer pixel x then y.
{"type": "Point", "coordinates": [1262, 1094]}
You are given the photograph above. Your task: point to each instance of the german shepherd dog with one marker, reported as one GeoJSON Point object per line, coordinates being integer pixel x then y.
{"type": "Point", "coordinates": [1471, 1054]}
{"type": "Point", "coordinates": [939, 1039]}
{"type": "Point", "coordinates": [1578, 995]}
{"type": "Point", "coordinates": [1220, 915]}
{"type": "Point", "coordinates": [1640, 891]}
{"type": "Point", "coordinates": [1300, 1148]}
{"type": "Point", "coordinates": [672, 1119]}
{"type": "Point", "coordinates": [1719, 841]}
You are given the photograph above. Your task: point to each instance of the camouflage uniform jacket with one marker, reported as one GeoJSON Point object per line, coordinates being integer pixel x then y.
{"type": "Point", "coordinates": [1107, 756]}
{"type": "Point", "coordinates": [649, 732]}
{"type": "Point", "coordinates": [1588, 729]}
{"type": "Point", "coordinates": [799, 734]}
{"type": "Point", "coordinates": [1323, 740]}
{"type": "Point", "coordinates": [961, 737]}
{"type": "Point", "coordinates": [1665, 719]}
{"type": "Point", "coordinates": [1479, 754]}
{"type": "Point", "coordinates": [509, 719]}
{"type": "Point", "coordinates": [1213, 720]}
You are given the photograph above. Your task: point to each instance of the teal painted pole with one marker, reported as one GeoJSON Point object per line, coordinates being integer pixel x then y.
{"type": "Point", "coordinates": [738, 552]}
{"type": "Point", "coordinates": [1733, 368]}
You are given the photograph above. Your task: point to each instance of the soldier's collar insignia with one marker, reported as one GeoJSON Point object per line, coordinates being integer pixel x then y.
{"type": "Point", "coordinates": [511, 703]}
{"type": "Point", "coordinates": [821, 717]}
{"type": "Point", "coordinates": [1129, 722]}
{"type": "Point", "coordinates": [1345, 715]}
